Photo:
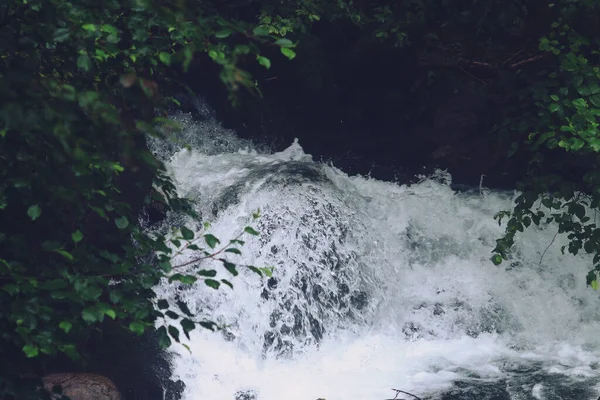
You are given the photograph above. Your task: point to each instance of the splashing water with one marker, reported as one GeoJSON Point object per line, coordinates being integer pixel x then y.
{"type": "Point", "coordinates": [376, 286]}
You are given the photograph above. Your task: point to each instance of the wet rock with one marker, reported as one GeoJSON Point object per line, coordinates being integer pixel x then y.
{"type": "Point", "coordinates": [81, 386]}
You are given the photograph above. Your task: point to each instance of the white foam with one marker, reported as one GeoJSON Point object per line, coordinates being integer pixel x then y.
{"type": "Point", "coordinates": [437, 310]}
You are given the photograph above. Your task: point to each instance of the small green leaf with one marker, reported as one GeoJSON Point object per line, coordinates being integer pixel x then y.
{"type": "Point", "coordinates": [284, 42]}
{"type": "Point", "coordinates": [211, 241]}
{"type": "Point", "coordinates": [209, 273]}
{"type": "Point", "coordinates": [174, 332]}
{"type": "Point", "coordinates": [137, 328]}
{"type": "Point", "coordinates": [61, 34]}
{"type": "Point", "coordinates": [164, 341]}
{"type": "Point", "coordinates": [224, 33]}
{"type": "Point", "coordinates": [65, 254]}
{"type": "Point", "coordinates": [172, 314]}
{"type": "Point", "coordinates": [122, 222]}
{"type": "Point", "coordinates": [212, 283]}
{"type": "Point", "coordinates": [554, 97]}
{"type": "Point", "coordinates": [110, 313]}
{"type": "Point", "coordinates": [162, 304]}
{"type": "Point", "coordinates": [250, 230]}
{"type": "Point", "coordinates": [34, 212]}
{"type": "Point", "coordinates": [268, 271]}
{"type": "Point", "coordinates": [497, 259]}
{"type": "Point", "coordinates": [84, 62]}
{"type": "Point", "coordinates": [264, 61]}
{"type": "Point", "coordinates": [233, 250]}
{"type": "Point", "coordinates": [187, 326]}
{"type": "Point", "coordinates": [184, 308]}
{"type": "Point", "coordinates": [579, 103]}
{"type": "Point", "coordinates": [187, 234]}
{"type": "Point", "coordinates": [289, 53]}
{"type": "Point", "coordinates": [230, 267]}
{"type": "Point", "coordinates": [90, 315]}
{"type": "Point", "coordinates": [30, 351]}
{"type": "Point", "coordinates": [226, 282]}
{"type": "Point", "coordinates": [594, 284]}
{"type": "Point", "coordinates": [255, 270]}
{"type": "Point", "coordinates": [89, 27]}
{"type": "Point", "coordinates": [65, 326]}
{"type": "Point", "coordinates": [165, 266]}
{"type": "Point", "coordinates": [186, 279]}
{"type": "Point", "coordinates": [77, 236]}
{"type": "Point", "coordinates": [260, 31]}
{"type": "Point", "coordinates": [165, 58]}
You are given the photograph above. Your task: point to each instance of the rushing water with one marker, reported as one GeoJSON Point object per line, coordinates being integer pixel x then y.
{"type": "Point", "coordinates": [376, 286]}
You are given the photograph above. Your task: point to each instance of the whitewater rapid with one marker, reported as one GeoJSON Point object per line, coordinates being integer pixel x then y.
{"type": "Point", "coordinates": [376, 285]}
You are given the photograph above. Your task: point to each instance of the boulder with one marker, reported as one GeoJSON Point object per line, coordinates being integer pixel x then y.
{"type": "Point", "coordinates": [81, 386]}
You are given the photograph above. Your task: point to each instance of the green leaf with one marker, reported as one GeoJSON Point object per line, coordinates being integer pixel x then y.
{"type": "Point", "coordinates": [268, 271]}
{"type": "Point", "coordinates": [255, 270]}
{"type": "Point", "coordinates": [594, 284]}
{"type": "Point", "coordinates": [184, 308]}
{"type": "Point", "coordinates": [250, 230]}
{"type": "Point", "coordinates": [65, 326]}
{"type": "Point", "coordinates": [284, 42]}
{"type": "Point", "coordinates": [289, 53]}
{"type": "Point", "coordinates": [84, 62]}
{"type": "Point", "coordinates": [224, 33]}
{"type": "Point", "coordinates": [230, 267]}
{"type": "Point", "coordinates": [211, 241]}
{"type": "Point", "coordinates": [89, 27]}
{"type": "Point", "coordinates": [212, 283]}
{"type": "Point", "coordinates": [91, 315]}
{"type": "Point", "coordinates": [77, 236]}
{"type": "Point", "coordinates": [209, 325]}
{"type": "Point", "coordinates": [260, 31]}
{"type": "Point", "coordinates": [165, 266]}
{"type": "Point", "coordinates": [264, 61]}
{"type": "Point", "coordinates": [30, 350]}
{"type": "Point", "coordinates": [111, 313]}
{"type": "Point", "coordinates": [162, 304]}
{"type": "Point", "coordinates": [164, 341]}
{"type": "Point", "coordinates": [226, 282]}
{"type": "Point", "coordinates": [579, 103]}
{"type": "Point", "coordinates": [233, 250]}
{"type": "Point", "coordinates": [554, 97]}
{"type": "Point", "coordinates": [61, 34]}
{"type": "Point", "coordinates": [34, 212]}
{"type": "Point", "coordinates": [186, 279]}
{"type": "Point", "coordinates": [554, 107]}
{"type": "Point", "coordinates": [165, 58]}
{"type": "Point", "coordinates": [595, 100]}
{"type": "Point", "coordinates": [187, 326]}
{"type": "Point", "coordinates": [174, 332]}
{"type": "Point", "coordinates": [65, 254]}
{"type": "Point", "coordinates": [187, 234]}
{"type": "Point", "coordinates": [497, 259]}
{"type": "Point", "coordinates": [137, 328]}
{"type": "Point", "coordinates": [209, 273]}
{"type": "Point", "coordinates": [172, 314]}
{"type": "Point", "coordinates": [122, 222]}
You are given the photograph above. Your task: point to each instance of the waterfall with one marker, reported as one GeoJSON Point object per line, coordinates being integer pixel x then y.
{"type": "Point", "coordinates": [376, 285]}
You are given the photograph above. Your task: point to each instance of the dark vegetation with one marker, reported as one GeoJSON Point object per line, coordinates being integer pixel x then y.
{"type": "Point", "coordinates": [509, 89]}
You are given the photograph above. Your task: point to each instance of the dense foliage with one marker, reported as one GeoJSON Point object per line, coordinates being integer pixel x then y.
{"type": "Point", "coordinates": [80, 86]}
{"type": "Point", "coordinates": [83, 84]}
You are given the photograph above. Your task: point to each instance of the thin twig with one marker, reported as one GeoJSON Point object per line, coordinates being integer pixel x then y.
{"type": "Point", "coordinates": [544, 253]}
{"type": "Point", "coordinates": [212, 255]}
{"type": "Point", "coordinates": [398, 391]}
{"type": "Point", "coordinates": [531, 59]}
{"type": "Point", "coordinates": [509, 59]}
{"type": "Point", "coordinates": [474, 77]}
